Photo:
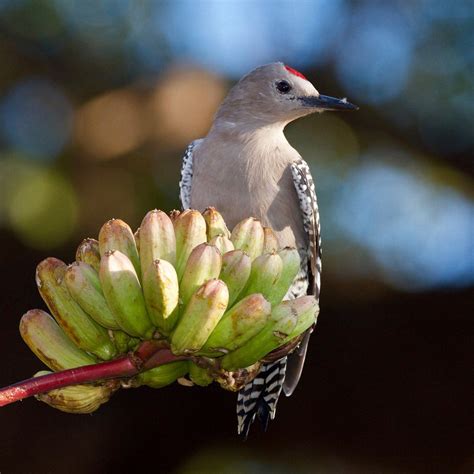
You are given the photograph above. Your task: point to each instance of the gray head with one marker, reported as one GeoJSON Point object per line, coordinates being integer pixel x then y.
{"type": "Point", "coordinates": [274, 93]}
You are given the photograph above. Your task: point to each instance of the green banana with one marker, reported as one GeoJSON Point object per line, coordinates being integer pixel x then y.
{"type": "Point", "coordinates": [280, 325]}
{"type": "Point", "coordinates": [161, 291]}
{"type": "Point", "coordinates": [117, 235]}
{"type": "Point", "coordinates": [77, 399]}
{"type": "Point", "coordinates": [80, 328]}
{"type": "Point", "coordinates": [124, 295]}
{"type": "Point", "coordinates": [157, 239]}
{"type": "Point", "coordinates": [287, 321]}
{"type": "Point", "coordinates": [265, 273]}
{"type": "Point", "coordinates": [204, 264]}
{"type": "Point", "coordinates": [308, 309]}
{"type": "Point", "coordinates": [270, 241]}
{"type": "Point", "coordinates": [236, 267]}
{"type": "Point", "coordinates": [215, 223]}
{"type": "Point", "coordinates": [291, 266]}
{"type": "Point", "coordinates": [223, 243]}
{"type": "Point", "coordinates": [83, 284]}
{"type": "Point", "coordinates": [246, 319]}
{"type": "Point", "coordinates": [49, 343]}
{"type": "Point", "coordinates": [200, 317]}
{"type": "Point", "coordinates": [88, 252]}
{"type": "Point", "coordinates": [248, 235]}
{"type": "Point", "coordinates": [162, 375]}
{"type": "Point", "coordinates": [190, 231]}
{"type": "Point", "coordinates": [199, 375]}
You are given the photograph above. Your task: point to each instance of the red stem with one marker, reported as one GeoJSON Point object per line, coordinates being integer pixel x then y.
{"type": "Point", "coordinates": [146, 356]}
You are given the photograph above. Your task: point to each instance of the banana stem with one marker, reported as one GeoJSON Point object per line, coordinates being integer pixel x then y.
{"type": "Point", "coordinates": [147, 356]}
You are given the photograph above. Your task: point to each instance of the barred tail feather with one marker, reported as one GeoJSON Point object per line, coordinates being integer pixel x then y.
{"type": "Point", "coordinates": [259, 398]}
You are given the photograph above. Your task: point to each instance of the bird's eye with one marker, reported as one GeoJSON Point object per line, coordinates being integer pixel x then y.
{"type": "Point", "coordinates": [283, 87]}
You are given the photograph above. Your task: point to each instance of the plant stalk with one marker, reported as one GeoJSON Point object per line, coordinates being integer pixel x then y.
{"type": "Point", "coordinates": [147, 356]}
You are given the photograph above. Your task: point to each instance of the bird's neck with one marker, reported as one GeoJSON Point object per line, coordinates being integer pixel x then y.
{"type": "Point", "coordinates": [251, 133]}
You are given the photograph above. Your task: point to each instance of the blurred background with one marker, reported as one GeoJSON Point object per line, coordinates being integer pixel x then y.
{"type": "Point", "coordinates": [98, 100]}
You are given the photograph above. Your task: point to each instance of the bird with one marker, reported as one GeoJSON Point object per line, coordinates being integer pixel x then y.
{"type": "Point", "coordinates": [245, 167]}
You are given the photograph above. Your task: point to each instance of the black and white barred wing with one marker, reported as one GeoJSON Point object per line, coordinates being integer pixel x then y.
{"type": "Point", "coordinates": [187, 176]}
{"type": "Point", "coordinates": [306, 192]}
{"type": "Point", "coordinates": [311, 270]}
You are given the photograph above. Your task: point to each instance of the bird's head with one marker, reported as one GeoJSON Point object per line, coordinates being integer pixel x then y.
{"type": "Point", "coordinates": [275, 93]}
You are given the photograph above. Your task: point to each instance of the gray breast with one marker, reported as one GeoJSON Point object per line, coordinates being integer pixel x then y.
{"type": "Point", "coordinates": [240, 186]}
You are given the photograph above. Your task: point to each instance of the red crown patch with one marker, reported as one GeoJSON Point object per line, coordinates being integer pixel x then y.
{"type": "Point", "coordinates": [295, 72]}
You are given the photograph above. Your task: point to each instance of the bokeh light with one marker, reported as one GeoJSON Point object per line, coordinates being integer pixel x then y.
{"type": "Point", "coordinates": [375, 57]}
{"type": "Point", "coordinates": [420, 232]}
{"type": "Point", "coordinates": [231, 38]}
{"type": "Point", "coordinates": [42, 207]}
{"type": "Point", "coordinates": [111, 124]}
{"type": "Point", "coordinates": [195, 91]}
{"type": "Point", "coordinates": [36, 118]}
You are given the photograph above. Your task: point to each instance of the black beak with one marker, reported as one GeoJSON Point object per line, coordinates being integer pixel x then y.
{"type": "Point", "coordinates": [324, 102]}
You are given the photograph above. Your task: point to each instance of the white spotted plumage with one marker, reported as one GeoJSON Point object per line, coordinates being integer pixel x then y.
{"type": "Point", "coordinates": [306, 192]}
{"type": "Point", "coordinates": [187, 175]}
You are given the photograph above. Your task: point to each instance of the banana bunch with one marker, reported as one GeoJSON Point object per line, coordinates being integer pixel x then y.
{"type": "Point", "coordinates": [212, 296]}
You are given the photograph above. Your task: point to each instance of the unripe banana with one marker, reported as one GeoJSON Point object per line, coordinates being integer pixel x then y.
{"type": "Point", "coordinates": [223, 243]}
{"type": "Point", "coordinates": [84, 286]}
{"type": "Point", "coordinates": [291, 266]}
{"type": "Point", "coordinates": [236, 267]}
{"type": "Point", "coordinates": [239, 324]}
{"type": "Point", "coordinates": [308, 309]}
{"type": "Point", "coordinates": [49, 343]}
{"type": "Point", "coordinates": [124, 295]}
{"type": "Point", "coordinates": [77, 399]}
{"type": "Point", "coordinates": [248, 236]}
{"type": "Point", "coordinates": [161, 291]}
{"type": "Point", "coordinates": [190, 231]}
{"type": "Point", "coordinates": [215, 223]}
{"type": "Point", "coordinates": [266, 271]}
{"type": "Point", "coordinates": [157, 239]}
{"type": "Point", "coordinates": [199, 375]}
{"type": "Point", "coordinates": [117, 235]}
{"type": "Point", "coordinates": [204, 264]}
{"type": "Point", "coordinates": [287, 321]}
{"type": "Point", "coordinates": [200, 317]}
{"type": "Point", "coordinates": [280, 325]}
{"type": "Point", "coordinates": [270, 241]}
{"type": "Point", "coordinates": [163, 375]}
{"type": "Point", "coordinates": [80, 328]}
{"type": "Point", "coordinates": [88, 252]}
